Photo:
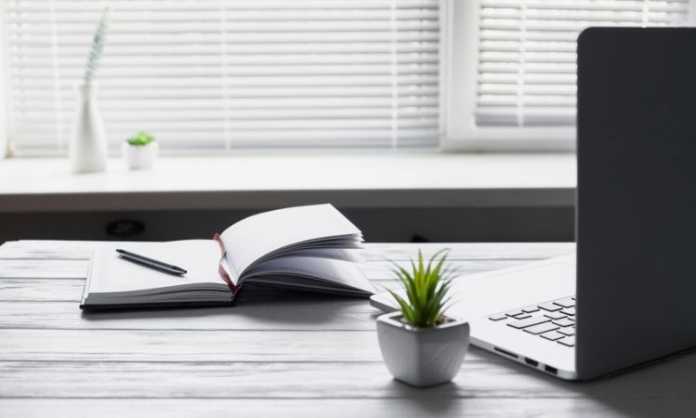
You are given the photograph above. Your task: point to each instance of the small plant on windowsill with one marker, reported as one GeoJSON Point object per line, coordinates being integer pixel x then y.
{"type": "Point", "coordinates": [140, 151]}
{"type": "Point", "coordinates": [420, 345]}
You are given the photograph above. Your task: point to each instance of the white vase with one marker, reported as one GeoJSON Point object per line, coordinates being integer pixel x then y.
{"type": "Point", "coordinates": [422, 356]}
{"type": "Point", "coordinates": [88, 144]}
{"type": "Point", "coordinates": [140, 157]}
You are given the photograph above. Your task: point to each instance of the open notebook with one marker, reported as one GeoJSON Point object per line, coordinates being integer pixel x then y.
{"type": "Point", "coordinates": [312, 248]}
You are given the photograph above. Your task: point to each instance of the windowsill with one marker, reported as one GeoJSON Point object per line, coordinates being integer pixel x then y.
{"type": "Point", "coordinates": [257, 180]}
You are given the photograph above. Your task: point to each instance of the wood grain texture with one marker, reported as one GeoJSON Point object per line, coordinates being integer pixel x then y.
{"type": "Point", "coordinates": [421, 405]}
{"type": "Point", "coordinates": [81, 250]}
{"type": "Point", "coordinates": [70, 289]}
{"type": "Point", "coordinates": [310, 315]}
{"type": "Point", "coordinates": [298, 357]}
{"type": "Point", "coordinates": [468, 251]}
{"type": "Point", "coordinates": [188, 345]}
{"type": "Point", "coordinates": [37, 290]}
{"type": "Point", "coordinates": [482, 375]}
{"type": "Point", "coordinates": [43, 269]}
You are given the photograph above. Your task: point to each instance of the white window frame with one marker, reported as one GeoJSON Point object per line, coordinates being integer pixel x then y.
{"type": "Point", "coordinates": [460, 37]}
{"type": "Point", "coordinates": [4, 118]}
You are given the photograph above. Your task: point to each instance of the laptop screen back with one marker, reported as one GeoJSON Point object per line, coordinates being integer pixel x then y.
{"type": "Point", "coordinates": [636, 202]}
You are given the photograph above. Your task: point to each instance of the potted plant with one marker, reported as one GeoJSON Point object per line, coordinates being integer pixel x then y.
{"type": "Point", "coordinates": [420, 345]}
{"type": "Point", "coordinates": [140, 151]}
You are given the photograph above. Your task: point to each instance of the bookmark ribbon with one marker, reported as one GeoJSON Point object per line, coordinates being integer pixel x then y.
{"type": "Point", "coordinates": [221, 270]}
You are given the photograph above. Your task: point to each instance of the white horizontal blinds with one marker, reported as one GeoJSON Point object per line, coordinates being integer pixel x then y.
{"type": "Point", "coordinates": [160, 71]}
{"type": "Point", "coordinates": [527, 53]}
{"type": "Point", "coordinates": [355, 72]}
{"type": "Point", "coordinates": [217, 74]}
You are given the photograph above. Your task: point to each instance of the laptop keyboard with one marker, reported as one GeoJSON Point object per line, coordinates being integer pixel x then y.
{"type": "Point", "coordinates": [553, 321]}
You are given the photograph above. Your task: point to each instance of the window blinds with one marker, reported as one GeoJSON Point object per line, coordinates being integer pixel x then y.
{"type": "Point", "coordinates": [527, 53]}
{"type": "Point", "coordinates": [218, 74]}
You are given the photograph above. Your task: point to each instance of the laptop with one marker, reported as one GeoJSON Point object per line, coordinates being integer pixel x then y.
{"type": "Point", "coordinates": [627, 295]}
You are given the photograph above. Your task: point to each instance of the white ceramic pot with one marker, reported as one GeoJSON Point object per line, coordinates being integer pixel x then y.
{"type": "Point", "coordinates": [140, 157]}
{"type": "Point", "coordinates": [422, 356]}
{"type": "Point", "coordinates": [88, 141]}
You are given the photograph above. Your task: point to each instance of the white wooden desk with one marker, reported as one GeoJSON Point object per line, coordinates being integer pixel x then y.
{"type": "Point", "coordinates": [281, 359]}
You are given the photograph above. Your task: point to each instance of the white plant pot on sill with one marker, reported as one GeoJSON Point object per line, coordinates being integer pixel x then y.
{"type": "Point", "coordinates": [140, 157]}
{"type": "Point", "coordinates": [422, 356]}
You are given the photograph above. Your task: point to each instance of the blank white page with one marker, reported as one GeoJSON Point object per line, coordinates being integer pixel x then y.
{"type": "Point", "coordinates": [258, 235]}
{"type": "Point", "coordinates": [111, 273]}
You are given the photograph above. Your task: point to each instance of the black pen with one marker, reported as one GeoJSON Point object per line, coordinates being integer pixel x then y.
{"type": "Point", "coordinates": [151, 263]}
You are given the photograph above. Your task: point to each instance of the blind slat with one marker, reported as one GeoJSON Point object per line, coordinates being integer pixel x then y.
{"type": "Point", "coordinates": [527, 53]}
{"type": "Point", "coordinates": [211, 74]}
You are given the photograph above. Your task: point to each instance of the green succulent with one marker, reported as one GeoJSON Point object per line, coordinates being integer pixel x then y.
{"type": "Point", "coordinates": [141, 138]}
{"type": "Point", "coordinates": [426, 287]}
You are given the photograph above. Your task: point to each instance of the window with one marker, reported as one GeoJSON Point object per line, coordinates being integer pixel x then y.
{"type": "Point", "coordinates": [520, 87]}
{"type": "Point", "coordinates": [212, 75]}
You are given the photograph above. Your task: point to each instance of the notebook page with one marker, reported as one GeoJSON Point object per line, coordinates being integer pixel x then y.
{"type": "Point", "coordinates": [253, 237]}
{"type": "Point", "coordinates": [333, 272]}
{"type": "Point", "coordinates": [111, 273]}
